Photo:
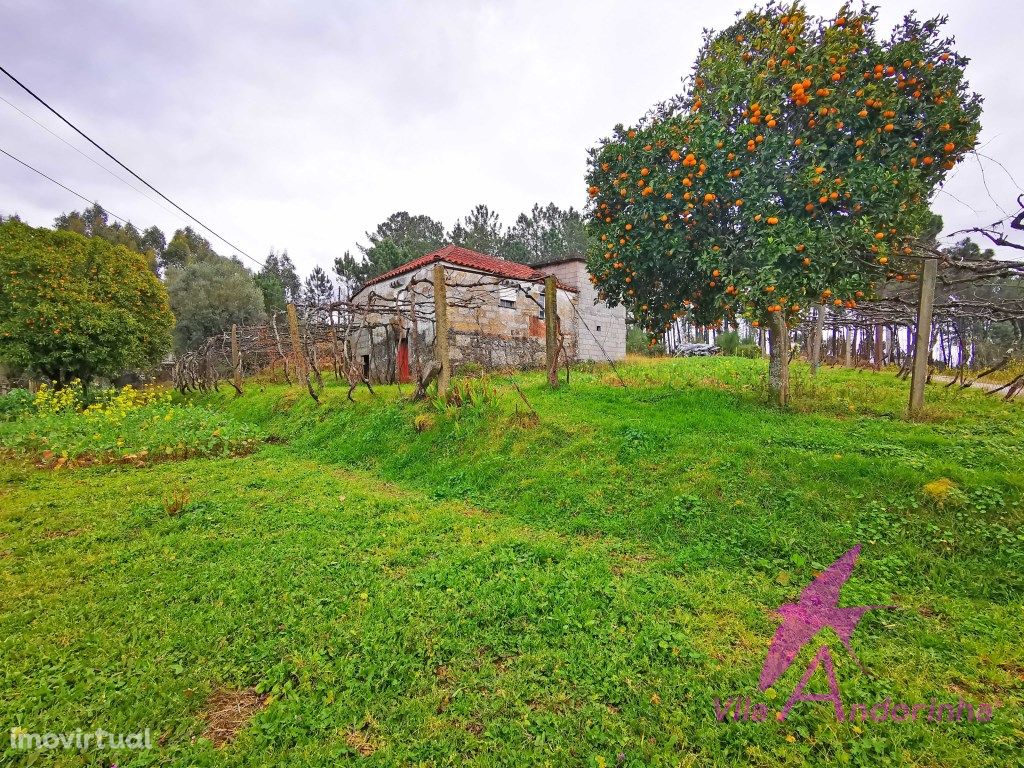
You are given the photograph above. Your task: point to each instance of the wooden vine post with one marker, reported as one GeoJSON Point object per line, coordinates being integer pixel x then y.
{"type": "Point", "coordinates": [922, 336]}
{"type": "Point", "coordinates": [296, 344]}
{"type": "Point", "coordinates": [236, 360]}
{"type": "Point", "coordinates": [551, 329]}
{"type": "Point", "coordinates": [442, 353]}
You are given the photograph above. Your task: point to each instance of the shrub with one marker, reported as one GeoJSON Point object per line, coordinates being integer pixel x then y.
{"type": "Point", "coordinates": [424, 422]}
{"type": "Point", "coordinates": [639, 343]}
{"type": "Point", "coordinates": [15, 403]}
{"type": "Point", "coordinates": [747, 349]}
{"type": "Point", "coordinates": [77, 307]}
{"type": "Point", "coordinates": [728, 342]}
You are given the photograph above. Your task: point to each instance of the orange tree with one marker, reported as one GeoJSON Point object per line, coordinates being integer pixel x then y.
{"type": "Point", "coordinates": [795, 169]}
{"type": "Point", "coordinates": [77, 307]}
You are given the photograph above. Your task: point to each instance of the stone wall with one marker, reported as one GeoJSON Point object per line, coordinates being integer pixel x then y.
{"type": "Point", "coordinates": [483, 331]}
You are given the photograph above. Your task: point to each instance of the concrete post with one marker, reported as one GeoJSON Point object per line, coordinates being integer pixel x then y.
{"type": "Point", "coordinates": [551, 329]}
{"type": "Point", "coordinates": [442, 353]}
{"type": "Point", "coordinates": [922, 336]}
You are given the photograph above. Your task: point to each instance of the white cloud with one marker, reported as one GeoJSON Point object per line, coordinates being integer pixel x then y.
{"type": "Point", "coordinates": [301, 127]}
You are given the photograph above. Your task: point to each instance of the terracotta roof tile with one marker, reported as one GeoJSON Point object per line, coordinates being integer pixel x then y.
{"type": "Point", "coordinates": [464, 257]}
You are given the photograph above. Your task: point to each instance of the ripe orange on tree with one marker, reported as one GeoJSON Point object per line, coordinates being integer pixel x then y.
{"type": "Point", "coordinates": [881, 186]}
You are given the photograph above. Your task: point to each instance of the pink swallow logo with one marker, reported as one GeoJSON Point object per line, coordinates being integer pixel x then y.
{"type": "Point", "coordinates": [817, 608]}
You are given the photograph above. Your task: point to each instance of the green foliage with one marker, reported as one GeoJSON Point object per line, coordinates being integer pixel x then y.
{"type": "Point", "coordinates": [410, 235]}
{"type": "Point", "coordinates": [728, 341]}
{"type": "Point", "coordinates": [480, 230]}
{"type": "Point", "coordinates": [273, 291]}
{"type": "Point", "coordinates": [186, 247]}
{"type": "Point", "coordinates": [94, 222]}
{"type": "Point", "coordinates": [731, 344]}
{"type": "Point", "coordinates": [77, 307]}
{"type": "Point", "coordinates": [400, 238]}
{"type": "Point", "coordinates": [208, 296]}
{"type": "Point", "coordinates": [546, 234]}
{"type": "Point", "coordinates": [748, 349]}
{"type": "Point", "coordinates": [120, 426]}
{"type": "Point", "coordinates": [795, 168]}
{"type": "Point", "coordinates": [15, 403]}
{"type": "Point", "coordinates": [278, 281]}
{"type": "Point", "coordinates": [318, 288]}
{"type": "Point", "coordinates": [639, 343]}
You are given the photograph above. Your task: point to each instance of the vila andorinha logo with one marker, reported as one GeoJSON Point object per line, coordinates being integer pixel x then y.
{"type": "Point", "coordinates": [818, 609]}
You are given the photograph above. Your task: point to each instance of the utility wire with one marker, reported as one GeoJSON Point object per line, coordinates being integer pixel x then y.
{"type": "Point", "coordinates": [92, 160]}
{"type": "Point", "coordinates": [68, 189]}
{"type": "Point", "coordinates": [77, 130]}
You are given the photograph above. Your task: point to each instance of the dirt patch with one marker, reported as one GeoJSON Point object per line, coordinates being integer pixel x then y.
{"type": "Point", "coordinates": [1014, 670]}
{"type": "Point", "coordinates": [62, 534]}
{"type": "Point", "coordinates": [524, 420]}
{"type": "Point", "coordinates": [228, 711]}
{"type": "Point", "coordinates": [360, 742]}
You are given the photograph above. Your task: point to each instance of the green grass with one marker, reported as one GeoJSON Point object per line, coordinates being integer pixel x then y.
{"type": "Point", "coordinates": [157, 431]}
{"type": "Point", "coordinates": [490, 590]}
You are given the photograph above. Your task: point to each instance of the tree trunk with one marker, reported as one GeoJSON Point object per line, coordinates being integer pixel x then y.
{"type": "Point", "coordinates": [778, 359]}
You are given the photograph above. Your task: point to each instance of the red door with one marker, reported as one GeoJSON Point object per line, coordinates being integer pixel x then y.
{"type": "Point", "coordinates": [403, 362]}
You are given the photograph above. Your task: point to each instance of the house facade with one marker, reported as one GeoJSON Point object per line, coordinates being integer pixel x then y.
{"type": "Point", "coordinates": [495, 311]}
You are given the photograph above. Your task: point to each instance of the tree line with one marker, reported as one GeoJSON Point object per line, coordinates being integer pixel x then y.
{"type": "Point", "coordinates": [208, 292]}
{"type": "Point", "coordinates": [545, 233]}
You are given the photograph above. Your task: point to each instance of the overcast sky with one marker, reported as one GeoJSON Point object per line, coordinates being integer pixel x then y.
{"type": "Point", "coordinates": [302, 125]}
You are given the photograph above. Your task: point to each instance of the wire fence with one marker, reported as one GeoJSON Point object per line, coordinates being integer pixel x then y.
{"type": "Point", "coordinates": [404, 332]}
{"type": "Point", "coordinates": [975, 324]}
{"type": "Point", "coordinates": [426, 326]}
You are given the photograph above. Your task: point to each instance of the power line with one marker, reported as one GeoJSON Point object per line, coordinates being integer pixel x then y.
{"type": "Point", "coordinates": [75, 128]}
{"type": "Point", "coordinates": [62, 186]}
{"type": "Point", "coordinates": [92, 160]}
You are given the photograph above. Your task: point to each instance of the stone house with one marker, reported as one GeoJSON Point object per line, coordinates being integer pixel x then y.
{"type": "Point", "coordinates": [495, 315]}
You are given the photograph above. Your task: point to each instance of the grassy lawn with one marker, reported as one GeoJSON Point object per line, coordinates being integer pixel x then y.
{"type": "Point", "coordinates": [427, 585]}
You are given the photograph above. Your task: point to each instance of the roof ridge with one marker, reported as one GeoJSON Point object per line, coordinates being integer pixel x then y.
{"type": "Point", "coordinates": [467, 258]}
